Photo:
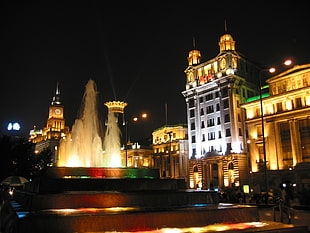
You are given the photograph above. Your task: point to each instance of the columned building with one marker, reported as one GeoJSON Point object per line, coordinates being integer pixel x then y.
{"type": "Point", "coordinates": [54, 130]}
{"type": "Point", "coordinates": [216, 130]}
{"type": "Point", "coordinates": [170, 151]}
{"type": "Point", "coordinates": [286, 124]}
{"type": "Point", "coordinates": [137, 156]}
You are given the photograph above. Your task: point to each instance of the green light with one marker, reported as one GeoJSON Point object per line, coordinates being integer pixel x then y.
{"type": "Point", "coordinates": [257, 97]}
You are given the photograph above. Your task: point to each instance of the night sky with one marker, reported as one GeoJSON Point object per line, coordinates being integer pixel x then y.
{"type": "Point", "coordinates": [134, 54]}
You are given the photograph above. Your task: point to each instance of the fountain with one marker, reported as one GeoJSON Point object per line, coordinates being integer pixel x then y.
{"type": "Point", "coordinates": [92, 191]}
{"type": "Point", "coordinates": [83, 146]}
{"type": "Point", "coordinates": [83, 153]}
{"type": "Point", "coordinates": [112, 143]}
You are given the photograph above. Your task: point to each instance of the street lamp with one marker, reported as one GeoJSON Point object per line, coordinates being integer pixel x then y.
{"type": "Point", "coordinates": [142, 116]}
{"type": "Point", "coordinates": [169, 154]}
{"type": "Point", "coordinates": [125, 123]}
{"type": "Point", "coordinates": [287, 62]}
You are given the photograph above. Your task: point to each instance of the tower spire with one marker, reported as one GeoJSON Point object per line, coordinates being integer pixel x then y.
{"type": "Point", "coordinates": [194, 43]}
{"type": "Point", "coordinates": [225, 25]}
{"type": "Point", "coordinates": [56, 98]}
{"type": "Point", "coordinates": [57, 89]}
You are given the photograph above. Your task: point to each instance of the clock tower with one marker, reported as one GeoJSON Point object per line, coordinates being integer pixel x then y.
{"type": "Point", "coordinates": [56, 120]}
{"type": "Point", "coordinates": [54, 130]}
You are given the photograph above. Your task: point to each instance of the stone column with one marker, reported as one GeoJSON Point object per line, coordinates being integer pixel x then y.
{"type": "Point", "coordinates": [295, 141]}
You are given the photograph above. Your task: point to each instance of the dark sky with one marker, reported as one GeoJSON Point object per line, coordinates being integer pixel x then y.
{"type": "Point", "coordinates": [133, 54]}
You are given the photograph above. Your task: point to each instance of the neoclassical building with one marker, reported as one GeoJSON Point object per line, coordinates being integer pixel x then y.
{"type": "Point", "coordinates": [286, 124]}
{"type": "Point", "coordinates": [215, 89]}
{"type": "Point", "coordinates": [137, 156]}
{"type": "Point", "coordinates": [170, 150]}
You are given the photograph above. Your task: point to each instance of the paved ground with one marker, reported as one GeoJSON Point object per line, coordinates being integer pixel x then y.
{"type": "Point", "coordinates": [299, 216]}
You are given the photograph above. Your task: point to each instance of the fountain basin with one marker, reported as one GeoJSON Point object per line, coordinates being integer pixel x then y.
{"type": "Point", "coordinates": [101, 172]}
{"type": "Point", "coordinates": [108, 199]}
{"type": "Point", "coordinates": [61, 179]}
{"type": "Point", "coordinates": [134, 219]}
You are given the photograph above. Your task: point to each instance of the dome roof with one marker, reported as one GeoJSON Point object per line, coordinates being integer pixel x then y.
{"type": "Point", "coordinates": [226, 37]}
{"type": "Point", "coordinates": [226, 43]}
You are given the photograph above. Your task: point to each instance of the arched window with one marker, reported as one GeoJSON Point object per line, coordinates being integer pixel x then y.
{"type": "Point", "coordinates": [230, 166]}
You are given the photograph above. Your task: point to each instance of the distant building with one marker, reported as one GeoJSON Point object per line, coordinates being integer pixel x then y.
{"type": "Point", "coordinates": [54, 130]}
{"type": "Point", "coordinates": [216, 130]}
{"type": "Point", "coordinates": [170, 151]}
{"type": "Point", "coordinates": [138, 156]}
{"type": "Point", "coordinates": [286, 122]}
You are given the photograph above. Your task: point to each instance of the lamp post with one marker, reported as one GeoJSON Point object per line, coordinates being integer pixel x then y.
{"type": "Point", "coordinates": [169, 154]}
{"type": "Point", "coordinates": [133, 119]}
{"type": "Point", "coordinates": [287, 62]}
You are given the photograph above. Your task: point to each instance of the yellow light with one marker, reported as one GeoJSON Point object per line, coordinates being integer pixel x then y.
{"type": "Point", "coordinates": [307, 100]}
{"type": "Point", "coordinates": [116, 106]}
{"type": "Point", "coordinates": [254, 169]}
{"type": "Point", "coordinates": [270, 109]}
{"type": "Point", "coordinates": [288, 62]}
{"type": "Point", "coordinates": [272, 70]}
{"type": "Point", "coordinates": [246, 188]}
{"type": "Point", "coordinates": [289, 105]}
{"type": "Point", "coordinates": [135, 119]}
{"type": "Point", "coordinates": [250, 113]}
{"type": "Point", "coordinates": [144, 115]}
{"type": "Point", "coordinates": [226, 182]}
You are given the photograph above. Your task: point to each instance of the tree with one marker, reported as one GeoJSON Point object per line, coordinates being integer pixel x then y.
{"type": "Point", "coordinates": [6, 165]}
{"type": "Point", "coordinates": [18, 157]}
{"type": "Point", "coordinates": [41, 161]}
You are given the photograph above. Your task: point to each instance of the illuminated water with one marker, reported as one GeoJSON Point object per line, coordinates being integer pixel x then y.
{"type": "Point", "coordinates": [112, 144]}
{"type": "Point", "coordinates": [83, 146]}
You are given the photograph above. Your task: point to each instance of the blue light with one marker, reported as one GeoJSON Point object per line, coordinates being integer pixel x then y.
{"type": "Point", "coordinates": [13, 126]}
{"type": "Point", "coordinates": [10, 126]}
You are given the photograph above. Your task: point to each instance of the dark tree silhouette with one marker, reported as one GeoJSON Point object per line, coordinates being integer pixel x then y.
{"type": "Point", "coordinates": [18, 157]}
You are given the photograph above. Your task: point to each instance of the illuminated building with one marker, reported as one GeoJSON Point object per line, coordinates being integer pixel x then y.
{"type": "Point", "coordinates": [54, 130]}
{"type": "Point", "coordinates": [170, 149]}
{"type": "Point", "coordinates": [286, 114]}
{"type": "Point", "coordinates": [216, 130]}
{"type": "Point", "coordinates": [138, 156]}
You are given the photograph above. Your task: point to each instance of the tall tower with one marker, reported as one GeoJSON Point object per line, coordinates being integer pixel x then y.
{"type": "Point", "coordinates": [55, 129]}
{"type": "Point", "coordinates": [216, 130]}
{"type": "Point", "coordinates": [56, 120]}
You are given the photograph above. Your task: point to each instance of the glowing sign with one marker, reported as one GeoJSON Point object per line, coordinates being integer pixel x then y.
{"type": "Point", "coordinates": [13, 126]}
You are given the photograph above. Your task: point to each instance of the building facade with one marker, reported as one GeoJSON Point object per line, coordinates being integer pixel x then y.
{"type": "Point", "coordinates": [215, 89]}
{"type": "Point", "coordinates": [55, 129]}
{"type": "Point", "coordinates": [286, 124]}
{"type": "Point", "coordinates": [170, 151]}
{"type": "Point", "coordinates": [137, 156]}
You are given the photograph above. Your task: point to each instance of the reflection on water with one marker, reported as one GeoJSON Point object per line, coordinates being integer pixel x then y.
{"type": "Point", "coordinates": [218, 227]}
{"type": "Point", "coordinates": [81, 211]}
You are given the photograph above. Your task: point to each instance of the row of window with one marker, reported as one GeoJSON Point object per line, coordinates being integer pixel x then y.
{"type": "Point", "coordinates": [224, 93]}
{"type": "Point", "coordinates": [290, 84]}
{"type": "Point", "coordinates": [288, 105]}
{"type": "Point", "coordinates": [219, 148]}
{"type": "Point", "coordinates": [210, 108]}
{"type": "Point", "coordinates": [166, 149]}
{"type": "Point", "coordinates": [212, 136]}
{"type": "Point", "coordinates": [165, 139]}
{"type": "Point", "coordinates": [211, 122]}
